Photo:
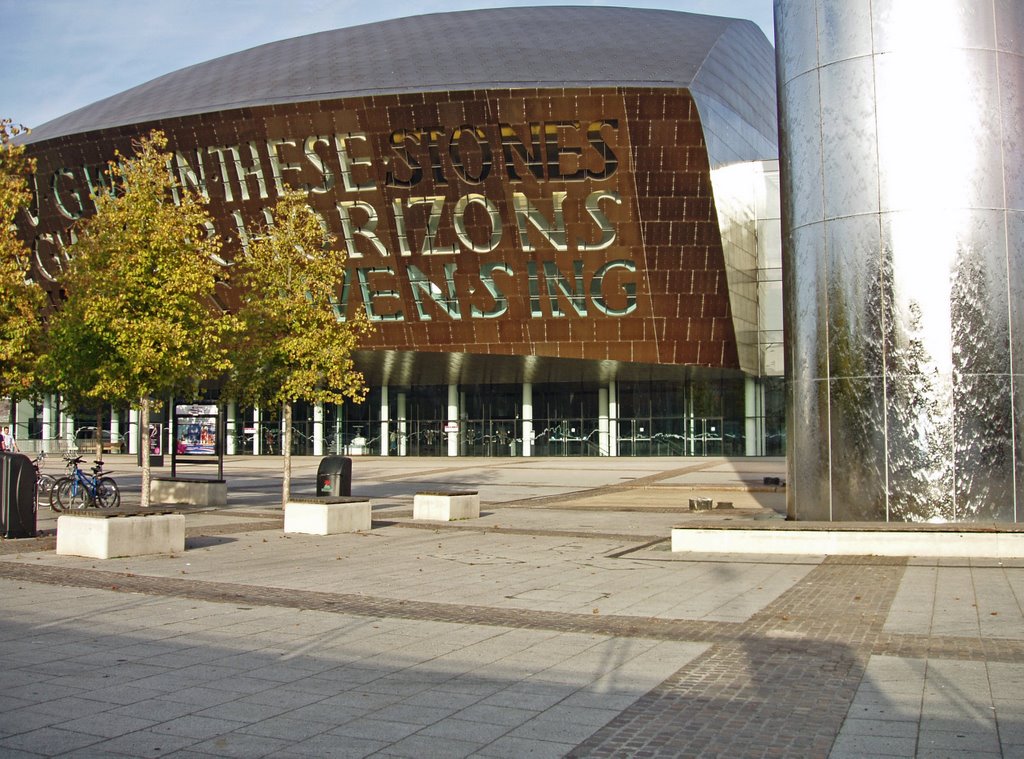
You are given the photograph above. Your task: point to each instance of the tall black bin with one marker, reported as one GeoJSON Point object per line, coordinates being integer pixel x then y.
{"type": "Point", "coordinates": [17, 496]}
{"type": "Point", "coordinates": [334, 476]}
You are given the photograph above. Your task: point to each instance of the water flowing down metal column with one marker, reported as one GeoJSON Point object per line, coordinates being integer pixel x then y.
{"type": "Point", "coordinates": [902, 156]}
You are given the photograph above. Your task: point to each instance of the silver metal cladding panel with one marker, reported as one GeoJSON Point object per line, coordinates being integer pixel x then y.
{"type": "Point", "coordinates": [902, 136]}
{"type": "Point", "coordinates": [849, 160]}
{"type": "Point", "coordinates": [800, 142]}
{"type": "Point", "coordinates": [1015, 257]}
{"type": "Point", "coordinates": [844, 30]}
{"type": "Point", "coordinates": [554, 46]}
{"type": "Point", "coordinates": [1011, 74]}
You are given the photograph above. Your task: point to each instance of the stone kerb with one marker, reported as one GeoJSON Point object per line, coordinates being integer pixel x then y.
{"type": "Point", "coordinates": [1003, 541]}
{"type": "Point", "coordinates": [327, 516]}
{"type": "Point", "coordinates": [103, 535]}
{"type": "Point", "coordinates": [194, 492]}
{"type": "Point", "coordinates": [445, 506]}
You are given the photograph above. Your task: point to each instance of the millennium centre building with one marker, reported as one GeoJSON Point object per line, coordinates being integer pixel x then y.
{"type": "Point", "coordinates": [563, 223]}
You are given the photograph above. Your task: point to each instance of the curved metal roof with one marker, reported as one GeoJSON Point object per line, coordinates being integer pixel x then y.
{"type": "Point", "coordinates": [551, 46]}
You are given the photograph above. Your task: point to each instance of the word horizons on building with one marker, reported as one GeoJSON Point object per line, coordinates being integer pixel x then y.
{"type": "Point", "coordinates": [425, 214]}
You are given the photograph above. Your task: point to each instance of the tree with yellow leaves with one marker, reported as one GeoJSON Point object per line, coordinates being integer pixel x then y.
{"type": "Point", "coordinates": [21, 299]}
{"type": "Point", "coordinates": [293, 343]}
{"type": "Point", "coordinates": [140, 321]}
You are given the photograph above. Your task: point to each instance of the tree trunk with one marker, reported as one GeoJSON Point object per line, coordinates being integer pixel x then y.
{"type": "Point", "coordinates": [144, 448]}
{"type": "Point", "coordinates": [286, 451]}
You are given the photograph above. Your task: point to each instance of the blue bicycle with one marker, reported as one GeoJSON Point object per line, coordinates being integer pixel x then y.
{"type": "Point", "coordinates": [78, 490]}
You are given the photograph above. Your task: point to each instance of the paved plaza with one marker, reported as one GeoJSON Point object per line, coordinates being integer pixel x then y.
{"type": "Point", "coordinates": [558, 624]}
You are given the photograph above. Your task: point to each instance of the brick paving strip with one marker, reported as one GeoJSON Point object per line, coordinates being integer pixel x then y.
{"type": "Point", "coordinates": [778, 685]}
{"type": "Point", "coordinates": [784, 688]}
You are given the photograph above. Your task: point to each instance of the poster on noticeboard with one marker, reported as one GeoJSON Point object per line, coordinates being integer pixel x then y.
{"type": "Point", "coordinates": [196, 430]}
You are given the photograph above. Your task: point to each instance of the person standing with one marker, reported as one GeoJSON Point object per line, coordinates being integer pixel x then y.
{"type": "Point", "coordinates": [7, 441]}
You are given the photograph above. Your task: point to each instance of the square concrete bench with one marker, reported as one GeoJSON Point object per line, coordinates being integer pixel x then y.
{"type": "Point", "coordinates": [327, 516]}
{"type": "Point", "coordinates": [446, 507]}
{"type": "Point", "coordinates": [191, 491]}
{"type": "Point", "coordinates": [112, 534]}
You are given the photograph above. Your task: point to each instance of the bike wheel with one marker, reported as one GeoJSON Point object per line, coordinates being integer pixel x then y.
{"type": "Point", "coordinates": [55, 504]}
{"type": "Point", "coordinates": [44, 489]}
{"type": "Point", "coordinates": [70, 495]}
{"type": "Point", "coordinates": [108, 496]}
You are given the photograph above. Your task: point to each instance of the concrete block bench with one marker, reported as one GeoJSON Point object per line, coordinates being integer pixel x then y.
{"type": "Point", "coordinates": [327, 516]}
{"type": "Point", "coordinates": [112, 534]}
{"type": "Point", "coordinates": [195, 492]}
{"type": "Point", "coordinates": [446, 506]}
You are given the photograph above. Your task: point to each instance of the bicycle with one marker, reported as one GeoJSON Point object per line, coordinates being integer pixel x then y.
{"type": "Point", "coordinates": [78, 490]}
{"type": "Point", "coordinates": [44, 482]}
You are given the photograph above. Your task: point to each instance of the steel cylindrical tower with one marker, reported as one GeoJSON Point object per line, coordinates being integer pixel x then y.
{"type": "Point", "coordinates": [902, 160]}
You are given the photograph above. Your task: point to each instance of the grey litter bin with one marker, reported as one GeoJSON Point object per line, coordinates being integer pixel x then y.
{"type": "Point", "coordinates": [17, 496]}
{"type": "Point", "coordinates": [334, 476]}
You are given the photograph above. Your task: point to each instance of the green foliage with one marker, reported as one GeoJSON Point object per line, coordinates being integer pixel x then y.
{"type": "Point", "coordinates": [20, 299]}
{"type": "Point", "coordinates": [139, 319]}
{"type": "Point", "coordinates": [293, 346]}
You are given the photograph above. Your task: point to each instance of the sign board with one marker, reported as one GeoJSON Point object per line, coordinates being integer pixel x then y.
{"type": "Point", "coordinates": [197, 436]}
{"type": "Point", "coordinates": [450, 427]}
{"type": "Point", "coordinates": [195, 409]}
{"type": "Point", "coordinates": [155, 445]}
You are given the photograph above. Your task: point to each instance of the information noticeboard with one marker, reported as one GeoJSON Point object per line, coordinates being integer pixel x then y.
{"type": "Point", "coordinates": [197, 436]}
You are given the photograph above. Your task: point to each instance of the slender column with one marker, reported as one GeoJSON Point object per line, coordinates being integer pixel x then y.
{"type": "Point", "coordinates": [69, 428]}
{"type": "Point", "coordinates": [385, 411]}
{"type": "Point", "coordinates": [613, 416]}
{"type": "Point", "coordinates": [602, 421]}
{"type": "Point", "coordinates": [48, 426]}
{"type": "Point", "coordinates": [688, 420]}
{"type": "Point", "coordinates": [257, 436]}
{"type": "Point", "coordinates": [115, 426]}
{"type": "Point", "coordinates": [318, 429]}
{"type": "Point", "coordinates": [453, 416]}
{"type": "Point", "coordinates": [527, 418]}
{"type": "Point", "coordinates": [231, 428]}
{"type": "Point", "coordinates": [402, 426]}
{"type": "Point", "coordinates": [754, 407]}
{"type": "Point", "coordinates": [133, 432]}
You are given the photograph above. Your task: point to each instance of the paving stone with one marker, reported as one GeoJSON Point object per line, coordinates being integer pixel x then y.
{"type": "Point", "coordinates": [510, 747]}
{"type": "Point", "coordinates": [47, 741]}
{"type": "Point", "coordinates": [335, 747]}
{"type": "Point", "coordinates": [241, 745]}
{"type": "Point", "coordinates": [107, 725]}
{"type": "Point", "coordinates": [142, 743]}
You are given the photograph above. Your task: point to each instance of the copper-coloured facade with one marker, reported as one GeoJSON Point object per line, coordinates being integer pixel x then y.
{"type": "Point", "coordinates": [535, 222]}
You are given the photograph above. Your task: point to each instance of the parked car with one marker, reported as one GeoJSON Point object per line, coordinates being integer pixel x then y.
{"type": "Point", "coordinates": [85, 440]}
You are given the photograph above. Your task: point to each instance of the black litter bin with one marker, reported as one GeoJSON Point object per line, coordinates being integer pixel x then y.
{"type": "Point", "coordinates": [17, 496]}
{"type": "Point", "coordinates": [334, 476]}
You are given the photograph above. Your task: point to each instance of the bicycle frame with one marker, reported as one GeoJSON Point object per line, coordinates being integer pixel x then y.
{"type": "Point", "coordinates": [79, 490]}
{"type": "Point", "coordinates": [90, 484]}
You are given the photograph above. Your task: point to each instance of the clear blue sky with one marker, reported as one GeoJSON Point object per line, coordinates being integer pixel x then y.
{"type": "Point", "coordinates": [60, 55]}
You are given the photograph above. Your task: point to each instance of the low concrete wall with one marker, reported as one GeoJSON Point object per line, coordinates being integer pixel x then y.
{"type": "Point", "coordinates": [99, 535]}
{"type": "Point", "coordinates": [194, 492]}
{"type": "Point", "coordinates": [327, 516]}
{"type": "Point", "coordinates": [446, 506]}
{"type": "Point", "coordinates": [846, 539]}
